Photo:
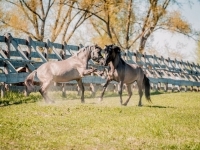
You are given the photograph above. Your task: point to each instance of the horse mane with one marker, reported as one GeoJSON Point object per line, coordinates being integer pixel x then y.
{"type": "Point", "coordinates": [87, 48]}
{"type": "Point", "coordinates": [119, 56]}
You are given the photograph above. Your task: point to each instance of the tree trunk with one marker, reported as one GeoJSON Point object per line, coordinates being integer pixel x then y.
{"type": "Point", "coordinates": [128, 23]}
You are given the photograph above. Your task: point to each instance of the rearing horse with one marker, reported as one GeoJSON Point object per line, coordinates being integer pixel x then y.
{"type": "Point", "coordinates": [124, 73]}
{"type": "Point", "coordinates": [73, 68]}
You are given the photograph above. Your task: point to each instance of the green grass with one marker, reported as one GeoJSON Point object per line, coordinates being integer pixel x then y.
{"type": "Point", "coordinates": [171, 122]}
{"type": "Point", "coordinates": [12, 98]}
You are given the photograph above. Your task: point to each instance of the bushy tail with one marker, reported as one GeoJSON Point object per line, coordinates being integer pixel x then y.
{"type": "Point", "coordinates": [29, 81]}
{"type": "Point", "coordinates": [147, 88]}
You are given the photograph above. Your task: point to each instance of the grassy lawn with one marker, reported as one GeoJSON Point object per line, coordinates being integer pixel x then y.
{"type": "Point", "coordinates": [171, 122]}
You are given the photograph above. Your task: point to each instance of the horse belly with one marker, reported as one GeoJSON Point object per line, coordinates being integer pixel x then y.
{"type": "Point", "coordinates": [130, 77]}
{"type": "Point", "coordinates": [129, 80]}
{"type": "Point", "coordinates": [68, 76]}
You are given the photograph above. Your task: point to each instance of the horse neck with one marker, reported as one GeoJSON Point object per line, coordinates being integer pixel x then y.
{"type": "Point", "coordinates": [84, 55]}
{"type": "Point", "coordinates": [117, 60]}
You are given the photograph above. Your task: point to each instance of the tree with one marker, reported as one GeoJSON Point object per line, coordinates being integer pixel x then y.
{"type": "Point", "coordinates": [126, 22]}
{"type": "Point", "coordinates": [198, 51]}
{"type": "Point", "coordinates": [158, 17]}
{"type": "Point", "coordinates": [110, 24]}
{"type": "Point", "coordinates": [42, 19]}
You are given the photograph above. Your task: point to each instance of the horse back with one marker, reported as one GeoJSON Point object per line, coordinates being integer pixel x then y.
{"type": "Point", "coordinates": [59, 71]}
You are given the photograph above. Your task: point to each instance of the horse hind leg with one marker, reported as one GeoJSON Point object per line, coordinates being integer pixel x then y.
{"type": "Point", "coordinates": [140, 91]}
{"type": "Point", "coordinates": [120, 85]}
{"type": "Point", "coordinates": [44, 90]}
{"type": "Point", "coordinates": [129, 94]}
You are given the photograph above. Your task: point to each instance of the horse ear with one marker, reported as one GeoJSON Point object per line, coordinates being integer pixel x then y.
{"type": "Point", "coordinates": [117, 49]}
{"type": "Point", "coordinates": [106, 47]}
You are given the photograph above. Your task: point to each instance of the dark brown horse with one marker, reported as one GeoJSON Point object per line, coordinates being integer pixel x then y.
{"type": "Point", "coordinates": [73, 68]}
{"type": "Point", "coordinates": [124, 73]}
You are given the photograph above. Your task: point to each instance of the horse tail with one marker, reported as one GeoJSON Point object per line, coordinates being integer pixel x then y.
{"type": "Point", "coordinates": [29, 81]}
{"type": "Point", "coordinates": [147, 88]}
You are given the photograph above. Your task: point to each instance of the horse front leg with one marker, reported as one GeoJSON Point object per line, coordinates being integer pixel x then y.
{"type": "Point", "coordinates": [104, 88]}
{"type": "Point", "coordinates": [88, 71]}
{"type": "Point", "coordinates": [112, 70]}
{"type": "Point", "coordinates": [80, 84]}
{"type": "Point", "coordinates": [129, 94]}
{"type": "Point", "coordinates": [120, 85]}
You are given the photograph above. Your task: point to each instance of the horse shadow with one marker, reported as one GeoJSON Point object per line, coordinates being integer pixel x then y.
{"type": "Point", "coordinates": [4, 103]}
{"type": "Point", "coordinates": [157, 93]}
{"type": "Point", "coordinates": [158, 106]}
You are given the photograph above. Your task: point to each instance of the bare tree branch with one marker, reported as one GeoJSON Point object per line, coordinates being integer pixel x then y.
{"type": "Point", "coordinates": [31, 9]}
{"type": "Point", "coordinates": [87, 11]}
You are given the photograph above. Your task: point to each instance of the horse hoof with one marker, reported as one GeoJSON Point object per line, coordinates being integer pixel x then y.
{"type": "Point", "coordinates": [124, 104]}
{"type": "Point", "coordinates": [83, 102]}
{"type": "Point", "coordinates": [139, 105]}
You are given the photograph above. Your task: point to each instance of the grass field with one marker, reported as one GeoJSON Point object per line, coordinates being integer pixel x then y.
{"type": "Point", "coordinates": [171, 122]}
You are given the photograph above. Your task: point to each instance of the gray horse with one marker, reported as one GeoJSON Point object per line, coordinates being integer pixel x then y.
{"type": "Point", "coordinates": [73, 68]}
{"type": "Point", "coordinates": [124, 73]}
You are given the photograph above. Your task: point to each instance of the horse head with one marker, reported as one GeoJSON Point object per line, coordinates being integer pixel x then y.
{"type": "Point", "coordinates": [96, 54]}
{"type": "Point", "coordinates": [111, 51]}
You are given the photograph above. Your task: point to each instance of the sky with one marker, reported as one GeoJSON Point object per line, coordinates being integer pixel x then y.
{"type": "Point", "coordinates": [188, 48]}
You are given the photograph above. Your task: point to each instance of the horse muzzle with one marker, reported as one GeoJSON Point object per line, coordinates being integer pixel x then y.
{"type": "Point", "coordinates": [105, 63]}
{"type": "Point", "coordinates": [101, 62]}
